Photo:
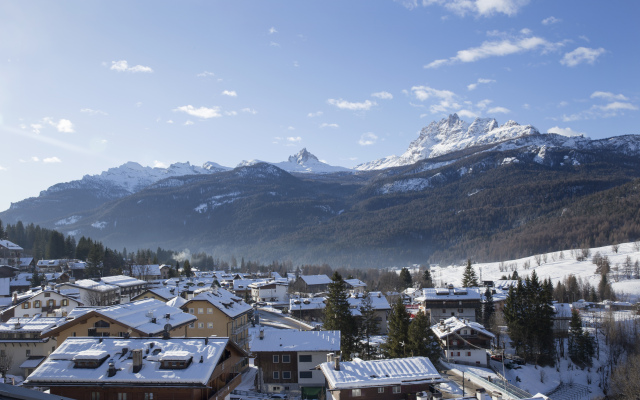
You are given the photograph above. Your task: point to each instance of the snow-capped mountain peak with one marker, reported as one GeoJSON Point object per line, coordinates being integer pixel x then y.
{"type": "Point", "coordinates": [302, 157]}
{"type": "Point", "coordinates": [451, 134]}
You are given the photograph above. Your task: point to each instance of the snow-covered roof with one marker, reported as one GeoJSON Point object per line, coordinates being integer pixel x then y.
{"type": "Point", "coordinates": [32, 362]}
{"type": "Point", "coordinates": [176, 302]}
{"type": "Point", "coordinates": [450, 294]}
{"type": "Point", "coordinates": [315, 303]}
{"type": "Point", "coordinates": [10, 245]}
{"type": "Point", "coordinates": [355, 283]}
{"type": "Point", "coordinates": [93, 285]}
{"type": "Point", "coordinates": [59, 367]}
{"type": "Point", "coordinates": [454, 324]}
{"type": "Point", "coordinates": [289, 340]}
{"type": "Point", "coordinates": [122, 281]}
{"type": "Point", "coordinates": [375, 373]}
{"type": "Point", "coordinates": [77, 265]}
{"type": "Point", "coordinates": [378, 302]}
{"type": "Point", "coordinates": [138, 315]}
{"type": "Point", "coordinates": [562, 310]}
{"type": "Point", "coordinates": [316, 279]}
{"type": "Point", "coordinates": [241, 284]}
{"type": "Point", "coordinates": [50, 263]}
{"type": "Point", "coordinates": [223, 300]}
{"type": "Point", "coordinates": [5, 286]}
{"type": "Point", "coordinates": [30, 324]}
{"type": "Point", "coordinates": [165, 292]}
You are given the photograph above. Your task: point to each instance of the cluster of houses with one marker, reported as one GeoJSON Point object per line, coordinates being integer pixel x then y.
{"type": "Point", "coordinates": [147, 336]}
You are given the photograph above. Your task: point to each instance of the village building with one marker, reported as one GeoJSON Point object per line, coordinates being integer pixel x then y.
{"type": "Point", "coordinates": [379, 304]}
{"type": "Point", "coordinates": [464, 341]}
{"type": "Point", "coordinates": [51, 265]}
{"type": "Point", "coordinates": [443, 303]}
{"type": "Point", "coordinates": [163, 294]}
{"type": "Point", "coordinates": [94, 293]}
{"type": "Point", "coordinates": [561, 319]}
{"type": "Point", "coordinates": [312, 284]}
{"type": "Point", "coordinates": [10, 253]}
{"type": "Point", "coordinates": [270, 291]}
{"type": "Point", "coordinates": [8, 272]}
{"type": "Point", "coordinates": [76, 269]}
{"type": "Point", "coordinates": [147, 272]}
{"type": "Point", "coordinates": [46, 302]}
{"type": "Point", "coordinates": [144, 318]}
{"type": "Point", "coordinates": [141, 368]}
{"type": "Point", "coordinates": [22, 346]}
{"type": "Point", "coordinates": [308, 309]}
{"type": "Point", "coordinates": [240, 287]}
{"type": "Point", "coordinates": [129, 287]}
{"type": "Point", "coordinates": [287, 360]}
{"type": "Point", "coordinates": [219, 313]}
{"type": "Point", "coordinates": [399, 378]}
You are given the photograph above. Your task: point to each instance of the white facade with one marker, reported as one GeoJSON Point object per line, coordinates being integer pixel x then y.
{"type": "Point", "coordinates": [48, 303]}
{"type": "Point", "coordinates": [467, 356]}
{"type": "Point", "coordinates": [275, 292]}
{"type": "Point", "coordinates": [304, 367]}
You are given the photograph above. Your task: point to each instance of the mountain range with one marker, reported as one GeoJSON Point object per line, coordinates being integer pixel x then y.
{"type": "Point", "coordinates": [461, 190]}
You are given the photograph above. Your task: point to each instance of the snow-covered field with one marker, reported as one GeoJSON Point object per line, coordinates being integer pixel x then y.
{"type": "Point", "coordinates": [556, 265]}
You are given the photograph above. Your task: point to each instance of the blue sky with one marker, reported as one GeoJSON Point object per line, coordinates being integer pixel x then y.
{"type": "Point", "coordinates": [86, 86]}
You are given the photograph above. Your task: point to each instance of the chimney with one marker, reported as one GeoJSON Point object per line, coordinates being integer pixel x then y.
{"type": "Point", "coordinates": [167, 316]}
{"type": "Point", "coordinates": [15, 298]}
{"type": "Point", "coordinates": [337, 364]}
{"type": "Point", "coordinates": [329, 357]}
{"type": "Point", "coordinates": [112, 369]}
{"type": "Point", "coordinates": [262, 334]}
{"type": "Point", "coordinates": [137, 360]}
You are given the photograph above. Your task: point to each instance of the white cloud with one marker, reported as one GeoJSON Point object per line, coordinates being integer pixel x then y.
{"type": "Point", "coordinates": [496, 110]}
{"type": "Point", "coordinates": [564, 131]}
{"type": "Point", "coordinates": [249, 111]}
{"type": "Point", "coordinates": [291, 128]}
{"type": "Point", "coordinates": [123, 66]}
{"type": "Point", "coordinates": [617, 105]}
{"type": "Point", "coordinates": [93, 112]}
{"type": "Point", "coordinates": [272, 30]}
{"type": "Point", "coordinates": [581, 55]}
{"type": "Point", "coordinates": [467, 114]}
{"type": "Point", "coordinates": [188, 122]}
{"type": "Point", "coordinates": [296, 64]}
{"type": "Point", "coordinates": [205, 74]}
{"type": "Point", "coordinates": [202, 112]}
{"type": "Point", "coordinates": [483, 8]}
{"type": "Point", "coordinates": [367, 139]}
{"type": "Point", "coordinates": [36, 128]}
{"type": "Point", "coordinates": [446, 99]}
{"type": "Point", "coordinates": [160, 164]}
{"type": "Point", "coordinates": [34, 158]}
{"type": "Point", "coordinates": [231, 113]}
{"type": "Point", "coordinates": [314, 114]}
{"type": "Point", "coordinates": [382, 95]}
{"type": "Point", "coordinates": [551, 20]}
{"type": "Point", "coordinates": [170, 121]}
{"type": "Point", "coordinates": [2, 168]}
{"type": "Point", "coordinates": [50, 160]}
{"type": "Point", "coordinates": [326, 125]}
{"type": "Point", "coordinates": [526, 106]}
{"type": "Point", "coordinates": [230, 93]}
{"type": "Point", "coordinates": [608, 96]}
{"type": "Point", "coordinates": [139, 104]}
{"type": "Point", "coordinates": [296, 139]}
{"type": "Point", "coordinates": [498, 48]}
{"type": "Point", "coordinates": [473, 86]}
{"type": "Point", "coordinates": [274, 44]}
{"type": "Point", "coordinates": [482, 104]}
{"type": "Point", "coordinates": [64, 125]}
{"type": "Point", "coordinates": [347, 105]}
{"type": "Point", "coordinates": [563, 104]}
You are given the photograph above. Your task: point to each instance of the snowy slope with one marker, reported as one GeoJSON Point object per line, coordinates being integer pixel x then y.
{"type": "Point", "coordinates": [302, 162]}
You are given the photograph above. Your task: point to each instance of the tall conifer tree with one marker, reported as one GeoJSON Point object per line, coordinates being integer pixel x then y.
{"type": "Point", "coordinates": [338, 317]}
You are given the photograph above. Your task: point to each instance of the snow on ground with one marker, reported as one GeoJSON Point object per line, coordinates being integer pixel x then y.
{"type": "Point", "coordinates": [557, 266]}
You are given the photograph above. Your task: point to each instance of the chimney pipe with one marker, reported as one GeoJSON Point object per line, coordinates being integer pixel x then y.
{"type": "Point", "coordinates": [337, 363]}
{"type": "Point", "coordinates": [261, 334]}
{"type": "Point", "coordinates": [112, 369]}
{"type": "Point", "coordinates": [137, 360]}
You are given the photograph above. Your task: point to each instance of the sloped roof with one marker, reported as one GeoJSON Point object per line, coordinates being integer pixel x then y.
{"type": "Point", "coordinates": [149, 270]}
{"type": "Point", "coordinates": [454, 324]}
{"type": "Point", "coordinates": [122, 281]}
{"type": "Point", "coordinates": [223, 300]}
{"type": "Point", "coordinates": [472, 293]}
{"type": "Point", "coordinates": [10, 245]}
{"type": "Point", "coordinates": [316, 279]}
{"type": "Point", "coordinates": [355, 283]}
{"type": "Point", "coordinates": [289, 340]}
{"type": "Point", "coordinates": [315, 303]}
{"type": "Point", "coordinates": [376, 373]}
{"type": "Point", "coordinates": [59, 368]}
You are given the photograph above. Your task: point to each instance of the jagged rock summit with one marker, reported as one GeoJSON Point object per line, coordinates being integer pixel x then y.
{"type": "Point", "coordinates": [452, 134]}
{"type": "Point", "coordinates": [302, 162]}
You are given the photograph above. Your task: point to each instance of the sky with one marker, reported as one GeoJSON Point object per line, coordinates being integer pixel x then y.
{"type": "Point", "coordinates": [90, 85]}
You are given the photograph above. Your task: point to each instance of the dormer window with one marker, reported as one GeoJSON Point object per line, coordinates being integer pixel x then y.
{"type": "Point", "coordinates": [175, 360]}
{"type": "Point", "coordinates": [90, 358]}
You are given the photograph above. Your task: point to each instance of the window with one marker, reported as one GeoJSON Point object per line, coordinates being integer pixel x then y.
{"type": "Point", "coordinates": [444, 310]}
{"type": "Point", "coordinates": [210, 325]}
{"type": "Point", "coordinates": [276, 359]}
{"type": "Point", "coordinates": [47, 295]}
{"type": "Point", "coordinates": [397, 389]}
{"type": "Point", "coordinates": [192, 325]}
{"type": "Point", "coordinates": [191, 311]}
{"type": "Point", "coordinates": [148, 396]}
{"type": "Point", "coordinates": [25, 315]}
{"type": "Point", "coordinates": [201, 325]}
{"type": "Point", "coordinates": [200, 310]}
{"type": "Point", "coordinates": [74, 334]}
{"type": "Point", "coordinates": [65, 302]}
{"type": "Point", "coordinates": [286, 358]}
{"type": "Point", "coordinates": [458, 354]}
{"type": "Point", "coordinates": [95, 395]}
{"type": "Point", "coordinates": [306, 375]}
{"type": "Point", "coordinates": [209, 310]}
{"type": "Point", "coordinates": [276, 374]}
{"type": "Point", "coordinates": [36, 304]}
{"type": "Point", "coordinates": [468, 353]}
{"type": "Point", "coordinates": [286, 374]}
{"type": "Point", "coordinates": [304, 358]}
{"type": "Point", "coordinates": [356, 393]}
{"type": "Point", "coordinates": [380, 390]}
{"type": "Point", "coordinates": [26, 305]}
{"type": "Point", "coordinates": [28, 352]}
{"type": "Point", "coordinates": [51, 303]}
{"type": "Point", "coordinates": [3, 353]}
{"type": "Point", "coordinates": [460, 310]}
{"type": "Point", "coordinates": [122, 396]}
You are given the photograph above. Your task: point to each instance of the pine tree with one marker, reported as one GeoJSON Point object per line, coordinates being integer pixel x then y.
{"type": "Point", "coordinates": [422, 341]}
{"type": "Point", "coordinates": [186, 268]}
{"type": "Point", "coordinates": [469, 278]}
{"type": "Point", "coordinates": [368, 325]}
{"type": "Point", "coordinates": [428, 280]}
{"type": "Point", "coordinates": [338, 317]}
{"type": "Point", "coordinates": [581, 344]}
{"type": "Point", "coordinates": [405, 278]}
{"type": "Point", "coordinates": [488, 308]}
{"type": "Point", "coordinates": [398, 335]}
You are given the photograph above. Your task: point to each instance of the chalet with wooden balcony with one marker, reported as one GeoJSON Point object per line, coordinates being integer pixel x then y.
{"type": "Point", "coordinates": [463, 341]}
